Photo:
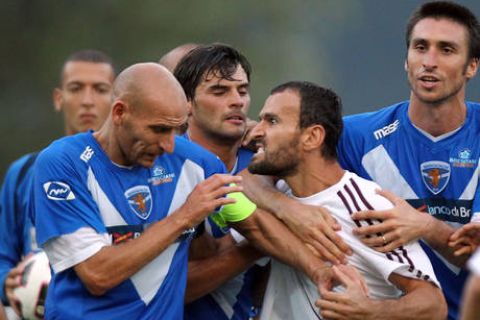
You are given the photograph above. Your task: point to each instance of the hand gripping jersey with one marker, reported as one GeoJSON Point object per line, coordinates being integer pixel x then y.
{"type": "Point", "coordinates": [232, 300]}
{"type": "Point", "coordinates": [291, 295]}
{"type": "Point", "coordinates": [436, 175]}
{"type": "Point", "coordinates": [15, 223]}
{"type": "Point", "coordinates": [78, 188]}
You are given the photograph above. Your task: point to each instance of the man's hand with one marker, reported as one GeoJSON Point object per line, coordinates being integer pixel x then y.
{"type": "Point", "coordinates": [353, 303]}
{"type": "Point", "coordinates": [316, 227]}
{"type": "Point", "coordinates": [208, 195]}
{"type": "Point", "coordinates": [248, 141]}
{"type": "Point", "coordinates": [12, 281]}
{"type": "Point", "coordinates": [397, 226]}
{"type": "Point", "coordinates": [466, 239]}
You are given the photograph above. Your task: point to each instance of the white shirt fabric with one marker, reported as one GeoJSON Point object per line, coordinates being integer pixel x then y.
{"type": "Point", "coordinates": [474, 263]}
{"type": "Point", "coordinates": [290, 295]}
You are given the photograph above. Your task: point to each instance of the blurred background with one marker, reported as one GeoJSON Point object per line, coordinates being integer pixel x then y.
{"type": "Point", "coordinates": [355, 47]}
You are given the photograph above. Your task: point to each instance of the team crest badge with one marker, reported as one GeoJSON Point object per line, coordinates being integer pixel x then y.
{"type": "Point", "coordinates": [435, 175]}
{"type": "Point", "coordinates": [140, 201]}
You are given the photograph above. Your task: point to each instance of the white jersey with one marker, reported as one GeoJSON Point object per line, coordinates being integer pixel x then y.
{"type": "Point", "coordinates": [474, 263]}
{"type": "Point", "coordinates": [291, 295]}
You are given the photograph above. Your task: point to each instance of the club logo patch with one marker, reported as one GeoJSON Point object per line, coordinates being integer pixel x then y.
{"type": "Point", "coordinates": [435, 175]}
{"type": "Point", "coordinates": [140, 201]}
{"type": "Point", "coordinates": [160, 176]}
{"type": "Point", "coordinates": [57, 190]}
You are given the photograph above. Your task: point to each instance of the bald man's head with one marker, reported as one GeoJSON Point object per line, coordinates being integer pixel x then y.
{"type": "Point", "coordinates": [148, 106]}
{"type": "Point", "coordinates": [173, 57]}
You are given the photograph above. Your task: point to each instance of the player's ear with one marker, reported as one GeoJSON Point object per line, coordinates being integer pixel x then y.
{"type": "Point", "coordinates": [405, 65]}
{"type": "Point", "coordinates": [189, 107]}
{"type": "Point", "coordinates": [472, 68]}
{"type": "Point", "coordinates": [119, 110]}
{"type": "Point", "coordinates": [57, 99]}
{"type": "Point", "coordinates": [313, 137]}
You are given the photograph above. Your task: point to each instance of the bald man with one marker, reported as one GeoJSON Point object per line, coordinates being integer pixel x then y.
{"type": "Point", "coordinates": [103, 189]}
{"type": "Point", "coordinates": [171, 59]}
{"type": "Point", "coordinates": [115, 209]}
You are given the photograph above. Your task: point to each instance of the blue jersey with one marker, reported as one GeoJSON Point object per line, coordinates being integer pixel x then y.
{"type": "Point", "coordinates": [15, 223]}
{"type": "Point", "coordinates": [233, 299]}
{"type": "Point", "coordinates": [436, 175]}
{"type": "Point", "coordinates": [77, 186]}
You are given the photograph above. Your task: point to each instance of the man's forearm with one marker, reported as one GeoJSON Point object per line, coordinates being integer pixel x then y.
{"type": "Point", "coordinates": [114, 264]}
{"type": "Point", "coordinates": [422, 300]}
{"type": "Point", "coordinates": [437, 236]}
{"type": "Point", "coordinates": [261, 190]}
{"type": "Point", "coordinates": [471, 298]}
{"type": "Point", "coordinates": [206, 275]}
{"type": "Point", "coordinates": [270, 235]}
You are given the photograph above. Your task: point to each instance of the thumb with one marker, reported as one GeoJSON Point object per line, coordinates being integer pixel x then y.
{"type": "Point", "coordinates": [390, 196]}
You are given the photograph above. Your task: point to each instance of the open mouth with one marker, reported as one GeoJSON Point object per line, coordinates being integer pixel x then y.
{"type": "Point", "coordinates": [429, 81]}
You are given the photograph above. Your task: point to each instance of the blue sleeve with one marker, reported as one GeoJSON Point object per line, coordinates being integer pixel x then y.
{"type": "Point", "coordinates": [476, 205]}
{"type": "Point", "coordinates": [15, 239]}
{"type": "Point", "coordinates": [61, 199]}
{"type": "Point", "coordinates": [350, 147]}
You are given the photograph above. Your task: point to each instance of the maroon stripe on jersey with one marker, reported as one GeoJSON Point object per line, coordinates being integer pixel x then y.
{"type": "Point", "coordinates": [405, 254]}
{"type": "Point", "coordinates": [360, 194]}
{"type": "Point", "coordinates": [355, 203]}
{"type": "Point", "coordinates": [426, 277]}
{"type": "Point", "coordinates": [397, 255]}
{"type": "Point", "coordinates": [345, 203]}
{"type": "Point", "coordinates": [419, 274]}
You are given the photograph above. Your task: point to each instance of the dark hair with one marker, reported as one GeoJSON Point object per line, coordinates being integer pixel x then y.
{"type": "Point", "coordinates": [88, 55]}
{"type": "Point", "coordinates": [218, 58]}
{"type": "Point", "coordinates": [451, 11]}
{"type": "Point", "coordinates": [320, 106]}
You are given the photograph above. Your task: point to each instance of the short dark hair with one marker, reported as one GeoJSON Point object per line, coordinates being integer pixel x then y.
{"type": "Point", "coordinates": [218, 58]}
{"type": "Point", "coordinates": [320, 106]}
{"type": "Point", "coordinates": [88, 55]}
{"type": "Point", "coordinates": [451, 11]}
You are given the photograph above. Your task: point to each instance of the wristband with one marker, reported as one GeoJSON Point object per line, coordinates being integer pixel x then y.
{"type": "Point", "coordinates": [234, 212]}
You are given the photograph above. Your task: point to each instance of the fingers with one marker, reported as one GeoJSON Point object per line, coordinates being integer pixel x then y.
{"type": "Point", "coordinates": [371, 214]}
{"type": "Point", "coordinates": [373, 230]}
{"type": "Point", "coordinates": [390, 196]}
{"type": "Point", "coordinates": [464, 250]}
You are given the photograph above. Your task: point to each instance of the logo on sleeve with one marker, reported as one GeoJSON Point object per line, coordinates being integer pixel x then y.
{"type": "Point", "coordinates": [57, 190]}
{"type": "Point", "coordinates": [140, 201]}
{"type": "Point", "coordinates": [385, 131]}
{"type": "Point", "coordinates": [435, 175]}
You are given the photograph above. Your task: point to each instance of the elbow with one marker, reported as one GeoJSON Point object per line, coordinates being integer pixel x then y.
{"type": "Point", "coordinates": [97, 286]}
{"type": "Point", "coordinates": [96, 283]}
{"type": "Point", "coordinates": [439, 308]}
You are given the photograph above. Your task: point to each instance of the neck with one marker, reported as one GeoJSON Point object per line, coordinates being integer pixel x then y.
{"type": "Point", "coordinates": [314, 176]}
{"type": "Point", "coordinates": [440, 118]}
{"type": "Point", "coordinates": [225, 149]}
{"type": "Point", "coordinates": [108, 143]}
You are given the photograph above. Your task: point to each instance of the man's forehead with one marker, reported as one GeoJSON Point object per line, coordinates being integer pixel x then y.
{"type": "Point", "coordinates": [87, 71]}
{"type": "Point", "coordinates": [214, 77]}
{"type": "Point", "coordinates": [283, 104]}
{"type": "Point", "coordinates": [440, 29]}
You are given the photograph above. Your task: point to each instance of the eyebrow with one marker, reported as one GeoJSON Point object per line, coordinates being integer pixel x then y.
{"type": "Point", "coordinates": [442, 43]}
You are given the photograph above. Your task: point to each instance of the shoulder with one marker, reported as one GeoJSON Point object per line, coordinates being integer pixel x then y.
{"type": "Point", "coordinates": [18, 165]}
{"type": "Point", "coordinates": [186, 150]}
{"type": "Point", "coordinates": [64, 152]}
{"type": "Point", "coordinates": [366, 122]}
{"type": "Point", "coordinates": [474, 107]}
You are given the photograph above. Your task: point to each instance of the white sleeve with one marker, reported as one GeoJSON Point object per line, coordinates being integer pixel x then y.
{"type": "Point", "coordinates": [69, 250]}
{"type": "Point", "coordinates": [474, 263]}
